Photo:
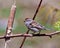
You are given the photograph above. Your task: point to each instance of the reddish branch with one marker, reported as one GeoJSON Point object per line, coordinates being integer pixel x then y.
{"type": "Point", "coordinates": [37, 10]}
{"type": "Point", "coordinates": [33, 19]}
{"type": "Point", "coordinates": [30, 35]}
{"type": "Point", "coordinates": [10, 21]}
{"type": "Point", "coordinates": [24, 39]}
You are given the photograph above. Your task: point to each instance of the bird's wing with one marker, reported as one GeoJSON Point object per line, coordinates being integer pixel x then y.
{"type": "Point", "coordinates": [36, 25]}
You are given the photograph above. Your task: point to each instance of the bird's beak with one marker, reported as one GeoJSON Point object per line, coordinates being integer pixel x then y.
{"type": "Point", "coordinates": [24, 21]}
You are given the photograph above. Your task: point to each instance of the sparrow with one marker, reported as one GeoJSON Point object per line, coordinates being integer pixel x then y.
{"type": "Point", "coordinates": [34, 26]}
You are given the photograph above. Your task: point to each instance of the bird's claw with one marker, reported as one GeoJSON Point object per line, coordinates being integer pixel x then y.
{"type": "Point", "coordinates": [50, 36]}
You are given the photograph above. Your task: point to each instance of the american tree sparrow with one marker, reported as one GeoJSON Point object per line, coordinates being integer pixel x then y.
{"type": "Point", "coordinates": [34, 26]}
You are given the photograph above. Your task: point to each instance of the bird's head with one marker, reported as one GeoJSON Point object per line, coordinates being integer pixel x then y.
{"type": "Point", "coordinates": [28, 20]}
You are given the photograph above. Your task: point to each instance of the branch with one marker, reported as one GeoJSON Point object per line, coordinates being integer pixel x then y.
{"type": "Point", "coordinates": [53, 33]}
{"type": "Point", "coordinates": [10, 24]}
{"type": "Point", "coordinates": [33, 19]}
{"type": "Point", "coordinates": [22, 35]}
{"type": "Point", "coordinates": [30, 35]}
{"type": "Point", "coordinates": [37, 9]}
{"type": "Point", "coordinates": [10, 21]}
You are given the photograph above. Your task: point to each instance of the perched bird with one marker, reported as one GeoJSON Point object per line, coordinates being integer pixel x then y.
{"type": "Point", "coordinates": [34, 26]}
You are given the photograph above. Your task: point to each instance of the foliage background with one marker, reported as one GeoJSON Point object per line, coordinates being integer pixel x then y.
{"type": "Point", "coordinates": [48, 15]}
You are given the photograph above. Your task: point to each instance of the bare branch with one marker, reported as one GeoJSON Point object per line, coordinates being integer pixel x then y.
{"type": "Point", "coordinates": [31, 35]}
{"type": "Point", "coordinates": [53, 33]}
{"type": "Point", "coordinates": [24, 39]}
{"type": "Point", "coordinates": [11, 19]}
{"type": "Point", "coordinates": [37, 10]}
{"type": "Point", "coordinates": [33, 19]}
{"type": "Point", "coordinates": [10, 24]}
{"type": "Point", "coordinates": [22, 35]}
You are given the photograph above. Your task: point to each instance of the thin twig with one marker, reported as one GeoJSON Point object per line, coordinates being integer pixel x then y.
{"type": "Point", "coordinates": [33, 19]}
{"type": "Point", "coordinates": [24, 39]}
{"type": "Point", "coordinates": [30, 35]}
{"type": "Point", "coordinates": [37, 10]}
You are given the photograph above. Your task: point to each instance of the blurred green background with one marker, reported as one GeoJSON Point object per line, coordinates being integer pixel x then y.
{"type": "Point", "coordinates": [48, 15]}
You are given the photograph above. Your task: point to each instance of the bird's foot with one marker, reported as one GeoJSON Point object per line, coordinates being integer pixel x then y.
{"type": "Point", "coordinates": [50, 36]}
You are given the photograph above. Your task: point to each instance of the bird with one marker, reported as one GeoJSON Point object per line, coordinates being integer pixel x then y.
{"type": "Point", "coordinates": [34, 26]}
